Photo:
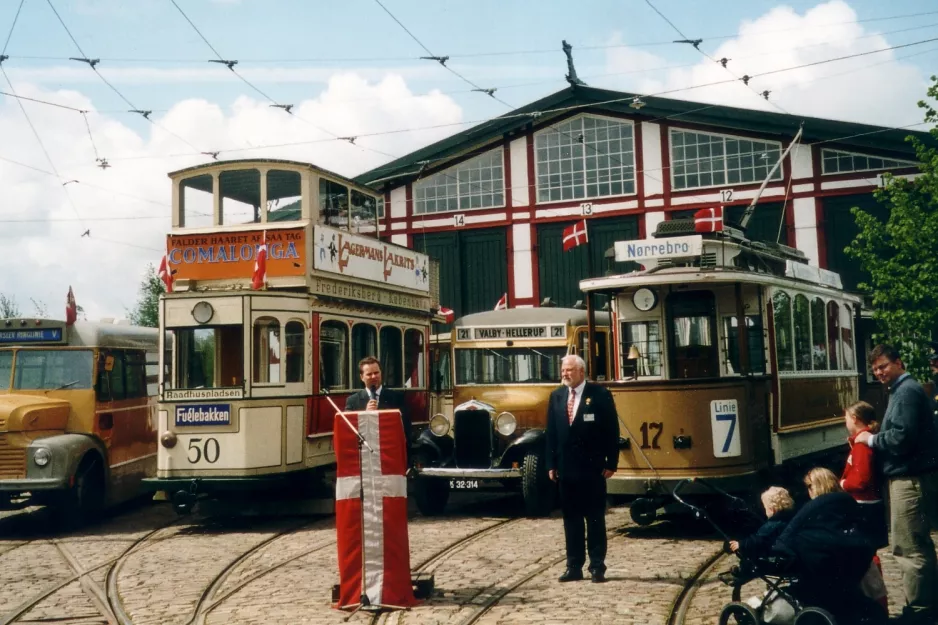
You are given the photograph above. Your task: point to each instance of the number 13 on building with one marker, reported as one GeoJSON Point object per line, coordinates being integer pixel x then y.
{"type": "Point", "coordinates": [724, 424]}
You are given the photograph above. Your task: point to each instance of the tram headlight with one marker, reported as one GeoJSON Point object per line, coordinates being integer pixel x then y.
{"type": "Point", "coordinates": [505, 424]}
{"type": "Point", "coordinates": [168, 440]}
{"type": "Point", "coordinates": [42, 457]}
{"type": "Point", "coordinates": [439, 425]}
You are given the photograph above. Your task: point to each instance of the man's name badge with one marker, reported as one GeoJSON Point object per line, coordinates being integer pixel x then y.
{"type": "Point", "coordinates": [589, 417]}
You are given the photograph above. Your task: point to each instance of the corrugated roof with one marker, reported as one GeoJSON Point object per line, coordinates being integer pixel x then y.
{"type": "Point", "coordinates": [573, 100]}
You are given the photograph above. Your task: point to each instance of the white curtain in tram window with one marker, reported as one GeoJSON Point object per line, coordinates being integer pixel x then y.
{"type": "Point", "coordinates": [682, 330]}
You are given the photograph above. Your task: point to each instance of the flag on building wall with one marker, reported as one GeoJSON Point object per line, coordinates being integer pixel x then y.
{"type": "Point", "coordinates": [448, 313]}
{"type": "Point", "coordinates": [575, 235]}
{"type": "Point", "coordinates": [166, 274]}
{"type": "Point", "coordinates": [708, 220]}
{"type": "Point", "coordinates": [502, 303]}
{"type": "Point", "coordinates": [260, 265]}
{"type": "Point", "coordinates": [71, 308]}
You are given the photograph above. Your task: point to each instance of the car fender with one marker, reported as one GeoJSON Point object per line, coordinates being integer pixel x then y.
{"type": "Point", "coordinates": [533, 439]}
{"type": "Point", "coordinates": [437, 449]}
{"type": "Point", "coordinates": [68, 450]}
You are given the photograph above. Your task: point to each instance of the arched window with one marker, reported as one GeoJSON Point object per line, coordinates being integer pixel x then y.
{"type": "Point", "coordinates": [364, 343]}
{"type": "Point", "coordinates": [818, 334]}
{"type": "Point", "coordinates": [846, 331]}
{"type": "Point", "coordinates": [392, 355]}
{"type": "Point", "coordinates": [333, 355]}
{"type": "Point", "coordinates": [802, 325]}
{"type": "Point", "coordinates": [834, 341]}
{"type": "Point", "coordinates": [295, 340]}
{"type": "Point", "coordinates": [414, 367]}
{"type": "Point", "coordinates": [784, 345]}
{"type": "Point", "coordinates": [266, 351]}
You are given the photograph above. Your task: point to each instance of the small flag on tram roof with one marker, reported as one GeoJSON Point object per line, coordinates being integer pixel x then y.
{"type": "Point", "coordinates": [502, 303]}
{"type": "Point", "coordinates": [448, 314]}
{"type": "Point", "coordinates": [260, 265]}
{"type": "Point", "coordinates": [575, 235]}
{"type": "Point", "coordinates": [71, 308]}
{"type": "Point", "coordinates": [708, 220]}
{"type": "Point", "coordinates": [166, 274]}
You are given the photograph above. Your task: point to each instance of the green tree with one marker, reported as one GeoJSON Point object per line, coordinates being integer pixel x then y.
{"type": "Point", "coordinates": [901, 254]}
{"type": "Point", "coordinates": [147, 310]}
{"type": "Point", "coordinates": [8, 307]}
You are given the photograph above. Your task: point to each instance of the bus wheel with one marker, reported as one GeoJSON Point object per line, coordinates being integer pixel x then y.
{"type": "Point", "coordinates": [536, 487]}
{"type": "Point", "coordinates": [431, 494]}
{"type": "Point", "coordinates": [85, 500]}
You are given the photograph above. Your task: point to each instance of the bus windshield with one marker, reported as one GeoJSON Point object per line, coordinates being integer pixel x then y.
{"type": "Point", "coordinates": [53, 369]}
{"type": "Point", "coordinates": [6, 369]}
{"type": "Point", "coordinates": [509, 365]}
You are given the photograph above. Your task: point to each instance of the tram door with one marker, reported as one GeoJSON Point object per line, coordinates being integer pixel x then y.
{"type": "Point", "coordinates": [441, 377]}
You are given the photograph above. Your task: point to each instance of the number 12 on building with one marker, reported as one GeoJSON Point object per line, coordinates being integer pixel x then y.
{"type": "Point", "coordinates": [724, 418]}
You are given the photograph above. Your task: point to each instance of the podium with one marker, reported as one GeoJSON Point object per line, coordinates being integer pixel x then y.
{"type": "Point", "coordinates": [371, 512]}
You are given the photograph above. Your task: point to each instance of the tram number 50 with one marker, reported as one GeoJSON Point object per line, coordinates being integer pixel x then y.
{"type": "Point", "coordinates": [209, 450]}
{"type": "Point", "coordinates": [656, 428]}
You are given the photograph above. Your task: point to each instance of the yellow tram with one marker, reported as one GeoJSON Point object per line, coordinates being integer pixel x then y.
{"type": "Point", "coordinates": [698, 397]}
{"type": "Point", "coordinates": [244, 404]}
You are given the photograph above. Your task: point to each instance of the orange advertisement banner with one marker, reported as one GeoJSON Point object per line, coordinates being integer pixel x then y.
{"type": "Point", "coordinates": [231, 255]}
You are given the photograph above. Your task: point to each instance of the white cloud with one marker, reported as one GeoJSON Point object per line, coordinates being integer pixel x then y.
{"type": "Point", "coordinates": [877, 88]}
{"type": "Point", "coordinates": [42, 258]}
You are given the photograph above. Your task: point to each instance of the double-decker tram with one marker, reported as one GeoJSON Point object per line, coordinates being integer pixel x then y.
{"type": "Point", "coordinates": [77, 413]}
{"type": "Point", "coordinates": [505, 365]}
{"type": "Point", "coordinates": [734, 358]}
{"type": "Point", "coordinates": [245, 404]}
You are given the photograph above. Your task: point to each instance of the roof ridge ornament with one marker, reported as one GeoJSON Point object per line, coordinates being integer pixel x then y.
{"type": "Point", "coordinates": [571, 70]}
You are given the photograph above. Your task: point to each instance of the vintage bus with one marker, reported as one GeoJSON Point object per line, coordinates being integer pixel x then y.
{"type": "Point", "coordinates": [77, 413]}
{"type": "Point", "coordinates": [505, 364]}
{"type": "Point", "coordinates": [734, 359]}
{"type": "Point", "coordinates": [246, 401]}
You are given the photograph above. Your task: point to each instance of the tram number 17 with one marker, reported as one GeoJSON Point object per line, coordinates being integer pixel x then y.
{"type": "Point", "coordinates": [209, 450]}
{"type": "Point", "coordinates": [646, 426]}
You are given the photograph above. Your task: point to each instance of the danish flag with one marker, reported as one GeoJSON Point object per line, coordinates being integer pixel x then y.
{"type": "Point", "coordinates": [260, 265]}
{"type": "Point", "coordinates": [449, 314]}
{"type": "Point", "coordinates": [708, 220]}
{"type": "Point", "coordinates": [71, 308]}
{"type": "Point", "coordinates": [502, 303]}
{"type": "Point", "coordinates": [166, 274]}
{"type": "Point", "coordinates": [575, 235]}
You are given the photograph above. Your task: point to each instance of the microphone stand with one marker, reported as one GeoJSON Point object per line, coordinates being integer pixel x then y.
{"type": "Point", "coordinates": [363, 601]}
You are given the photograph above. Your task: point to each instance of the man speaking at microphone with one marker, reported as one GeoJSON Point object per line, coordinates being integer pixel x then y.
{"type": "Point", "coordinates": [374, 396]}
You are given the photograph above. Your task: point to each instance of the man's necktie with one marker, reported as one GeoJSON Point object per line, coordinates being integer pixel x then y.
{"type": "Point", "coordinates": [571, 399]}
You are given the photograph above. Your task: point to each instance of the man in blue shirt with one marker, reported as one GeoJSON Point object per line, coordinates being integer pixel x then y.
{"type": "Point", "coordinates": [907, 449]}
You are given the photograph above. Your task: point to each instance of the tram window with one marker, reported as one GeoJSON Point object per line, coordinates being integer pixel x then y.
{"type": "Point", "coordinates": [240, 192]}
{"type": "Point", "coordinates": [6, 369]}
{"type": "Point", "coordinates": [442, 369]}
{"type": "Point", "coordinates": [196, 204]}
{"type": "Point", "coordinates": [692, 347]}
{"type": "Point", "coordinates": [601, 338]}
{"type": "Point", "coordinates": [644, 336]}
{"type": "Point", "coordinates": [266, 351]}
{"type": "Point", "coordinates": [512, 365]}
{"type": "Point", "coordinates": [284, 195]}
{"type": "Point", "coordinates": [392, 354]}
{"type": "Point", "coordinates": [333, 355]}
{"type": "Point", "coordinates": [196, 351]}
{"type": "Point", "coordinates": [819, 334]}
{"type": "Point", "coordinates": [834, 348]}
{"type": "Point", "coordinates": [53, 369]}
{"type": "Point", "coordinates": [364, 343]}
{"type": "Point", "coordinates": [135, 374]}
{"type": "Point", "coordinates": [413, 359]}
{"type": "Point", "coordinates": [802, 325]}
{"type": "Point", "coordinates": [333, 204]}
{"type": "Point", "coordinates": [294, 334]}
{"type": "Point", "coordinates": [784, 346]}
{"type": "Point", "coordinates": [364, 212]}
{"type": "Point", "coordinates": [755, 342]}
{"type": "Point", "coordinates": [152, 371]}
{"type": "Point", "coordinates": [846, 333]}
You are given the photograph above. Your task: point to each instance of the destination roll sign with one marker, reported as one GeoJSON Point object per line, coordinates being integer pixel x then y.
{"type": "Point", "coordinates": [508, 333]}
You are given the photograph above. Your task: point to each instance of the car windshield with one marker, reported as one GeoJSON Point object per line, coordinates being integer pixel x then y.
{"type": "Point", "coordinates": [509, 365]}
{"type": "Point", "coordinates": [6, 368]}
{"type": "Point", "coordinates": [53, 369]}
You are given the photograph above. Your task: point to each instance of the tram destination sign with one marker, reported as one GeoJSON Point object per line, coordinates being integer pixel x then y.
{"type": "Point", "coordinates": [352, 256]}
{"type": "Point", "coordinates": [234, 392]}
{"type": "Point", "coordinates": [651, 249]}
{"type": "Point", "coordinates": [368, 294]}
{"type": "Point", "coordinates": [191, 415]}
{"type": "Point", "coordinates": [32, 335]}
{"type": "Point", "coordinates": [508, 333]}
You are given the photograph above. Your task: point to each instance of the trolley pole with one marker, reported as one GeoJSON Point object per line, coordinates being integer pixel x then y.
{"type": "Point", "coordinates": [590, 311]}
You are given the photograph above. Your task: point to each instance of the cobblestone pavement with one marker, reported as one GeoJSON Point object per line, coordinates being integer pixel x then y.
{"type": "Point", "coordinates": [144, 565]}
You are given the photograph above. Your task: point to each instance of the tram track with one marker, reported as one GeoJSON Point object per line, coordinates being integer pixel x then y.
{"type": "Point", "coordinates": [684, 598]}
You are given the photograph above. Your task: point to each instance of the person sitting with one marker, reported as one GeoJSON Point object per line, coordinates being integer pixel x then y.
{"type": "Point", "coordinates": [779, 510]}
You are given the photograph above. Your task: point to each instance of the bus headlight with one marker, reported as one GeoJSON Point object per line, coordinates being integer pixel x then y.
{"type": "Point", "coordinates": [505, 424]}
{"type": "Point", "coordinates": [42, 457]}
{"type": "Point", "coordinates": [439, 425]}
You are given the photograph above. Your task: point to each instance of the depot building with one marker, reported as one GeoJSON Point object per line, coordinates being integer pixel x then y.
{"type": "Point", "coordinates": [491, 202]}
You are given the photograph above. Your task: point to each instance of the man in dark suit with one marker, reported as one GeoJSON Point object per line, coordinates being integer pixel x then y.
{"type": "Point", "coordinates": [374, 396]}
{"type": "Point", "coordinates": [582, 453]}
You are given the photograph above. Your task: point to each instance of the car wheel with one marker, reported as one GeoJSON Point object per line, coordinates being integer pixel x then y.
{"type": "Point", "coordinates": [536, 486]}
{"type": "Point", "coordinates": [85, 500]}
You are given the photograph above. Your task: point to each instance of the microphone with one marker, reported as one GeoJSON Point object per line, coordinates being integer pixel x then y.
{"type": "Point", "coordinates": [374, 392]}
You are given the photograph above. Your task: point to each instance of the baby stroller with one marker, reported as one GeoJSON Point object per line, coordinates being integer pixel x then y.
{"type": "Point", "coordinates": [812, 575]}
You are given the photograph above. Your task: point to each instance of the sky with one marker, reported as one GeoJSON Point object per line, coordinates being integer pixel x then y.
{"type": "Point", "coordinates": [352, 68]}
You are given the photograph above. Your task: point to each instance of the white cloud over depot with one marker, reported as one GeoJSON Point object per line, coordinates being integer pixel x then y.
{"type": "Point", "coordinates": [877, 88]}
{"type": "Point", "coordinates": [126, 207]}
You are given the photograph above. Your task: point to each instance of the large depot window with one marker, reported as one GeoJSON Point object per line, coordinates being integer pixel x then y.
{"type": "Point", "coordinates": [476, 183]}
{"type": "Point", "coordinates": [706, 160]}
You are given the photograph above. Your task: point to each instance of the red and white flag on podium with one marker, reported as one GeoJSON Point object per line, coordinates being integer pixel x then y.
{"type": "Point", "coordinates": [382, 522]}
